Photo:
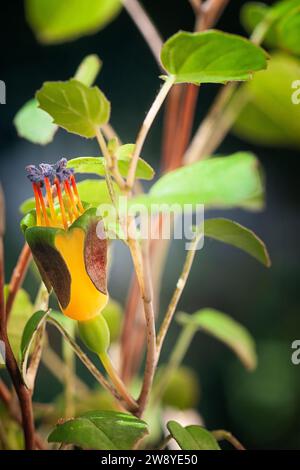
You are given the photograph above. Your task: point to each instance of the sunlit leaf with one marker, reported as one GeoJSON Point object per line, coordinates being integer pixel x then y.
{"type": "Point", "coordinates": [34, 124]}
{"type": "Point", "coordinates": [211, 57]}
{"type": "Point", "coordinates": [96, 165]}
{"type": "Point", "coordinates": [233, 181]}
{"type": "Point", "coordinates": [270, 117]}
{"type": "Point", "coordinates": [66, 322]}
{"type": "Point", "coordinates": [192, 437]}
{"type": "Point", "coordinates": [88, 70]}
{"type": "Point", "coordinates": [231, 232]}
{"type": "Point", "coordinates": [289, 32]}
{"type": "Point", "coordinates": [94, 192]}
{"type": "Point", "coordinates": [101, 430]}
{"type": "Point", "coordinates": [29, 333]}
{"type": "Point", "coordinates": [227, 330]}
{"type": "Point", "coordinates": [281, 13]}
{"type": "Point", "coordinates": [55, 21]}
{"type": "Point", "coordinates": [74, 106]}
{"type": "Point", "coordinates": [27, 206]}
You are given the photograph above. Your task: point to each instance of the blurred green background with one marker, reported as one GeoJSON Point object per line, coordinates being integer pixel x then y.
{"type": "Point", "coordinates": [262, 408]}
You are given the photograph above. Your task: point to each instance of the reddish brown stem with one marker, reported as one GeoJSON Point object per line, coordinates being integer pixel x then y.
{"type": "Point", "coordinates": [17, 277]}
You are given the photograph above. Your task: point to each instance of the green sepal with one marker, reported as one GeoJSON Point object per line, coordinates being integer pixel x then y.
{"type": "Point", "coordinates": [95, 334]}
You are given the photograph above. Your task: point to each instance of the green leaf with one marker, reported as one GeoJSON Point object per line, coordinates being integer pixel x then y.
{"type": "Point", "coordinates": [289, 32]}
{"type": "Point", "coordinates": [96, 165]}
{"type": "Point", "coordinates": [192, 437]}
{"type": "Point", "coordinates": [34, 124]}
{"type": "Point", "coordinates": [21, 312]}
{"type": "Point", "coordinates": [94, 192]}
{"type": "Point", "coordinates": [270, 117]}
{"type": "Point", "coordinates": [232, 233]}
{"type": "Point", "coordinates": [30, 330]}
{"type": "Point", "coordinates": [74, 106]}
{"type": "Point", "coordinates": [233, 181]}
{"type": "Point", "coordinates": [211, 57]}
{"type": "Point", "coordinates": [253, 13]}
{"type": "Point", "coordinates": [27, 205]}
{"type": "Point", "coordinates": [55, 21]}
{"type": "Point", "coordinates": [101, 430]}
{"type": "Point", "coordinates": [66, 322]}
{"type": "Point", "coordinates": [225, 329]}
{"type": "Point", "coordinates": [88, 70]}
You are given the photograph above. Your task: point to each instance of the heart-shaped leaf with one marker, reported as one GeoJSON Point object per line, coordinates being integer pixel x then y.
{"type": "Point", "coordinates": [101, 430]}
{"type": "Point", "coordinates": [233, 181]}
{"type": "Point", "coordinates": [227, 330]}
{"type": "Point", "coordinates": [211, 57]}
{"type": "Point", "coordinates": [34, 124]}
{"type": "Point", "coordinates": [231, 232]}
{"type": "Point", "coordinates": [270, 117]}
{"type": "Point", "coordinates": [74, 106]}
{"type": "Point", "coordinates": [55, 21]}
{"type": "Point", "coordinates": [192, 437]}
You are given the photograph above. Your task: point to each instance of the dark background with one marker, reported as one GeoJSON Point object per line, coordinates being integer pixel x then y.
{"type": "Point", "coordinates": [262, 408]}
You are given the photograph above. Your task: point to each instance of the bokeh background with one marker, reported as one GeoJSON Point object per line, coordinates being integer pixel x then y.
{"type": "Point", "coordinates": [261, 408]}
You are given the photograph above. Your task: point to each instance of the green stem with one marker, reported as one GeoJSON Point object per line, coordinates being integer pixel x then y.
{"type": "Point", "coordinates": [69, 375]}
{"type": "Point", "coordinates": [146, 126]}
{"type": "Point", "coordinates": [176, 358]}
{"type": "Point", "coordinates": [116, 380]}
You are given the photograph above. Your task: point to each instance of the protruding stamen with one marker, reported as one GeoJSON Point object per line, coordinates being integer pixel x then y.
{"type": "Point", "coordinates": [37, 204]}
{"type": "Point", "coordinates": [61, 203]}
{"type": "Point", "coordinates": [42, 202]}
{"type": "Point", "coordinates": [71, 198]}
{"type": "Point", "coordinates": [75, 189]}
{"type": "Point", "coordinates": [34, 174]}
{"type": "Point", "coordinates": [50, 199]}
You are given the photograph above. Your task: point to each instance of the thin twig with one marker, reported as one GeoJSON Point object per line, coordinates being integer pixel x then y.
{"type": "Point", "coordinates": [141, 264]}
{"type": "Point", "coordinates": [145, 26]}
{"type": "Point", "coordinates": [209, 13]}
{"type": "Point", "coordinates": [178, 291]}
{"type": "Point", "coordinates": [222, 435]}
{"type": "Point", "coordinates": [17, 277]}
{"type": "Point", "coordinates": [111, 161]}
{"type": "Point", "coordinates": [148, 121]}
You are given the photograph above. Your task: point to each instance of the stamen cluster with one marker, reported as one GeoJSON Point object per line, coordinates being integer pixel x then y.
{"type": "Point", "coordinates": [55, 179]}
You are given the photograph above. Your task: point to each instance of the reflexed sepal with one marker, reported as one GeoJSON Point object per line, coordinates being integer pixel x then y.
{"type": "Point", "coordinates": [95, 334]}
